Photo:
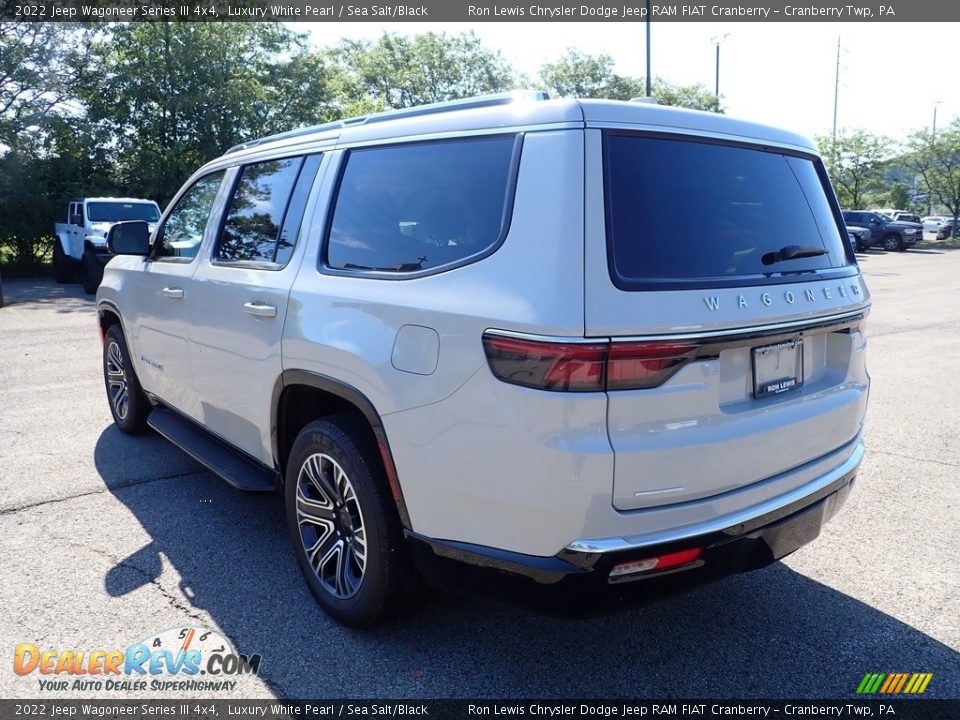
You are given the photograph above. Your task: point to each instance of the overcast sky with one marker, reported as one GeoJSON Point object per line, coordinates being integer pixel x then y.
{"type": "Point", "coordinates": [778, 73]}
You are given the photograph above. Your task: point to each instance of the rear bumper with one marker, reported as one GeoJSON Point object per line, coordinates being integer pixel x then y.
{"type": "Point", "coordinates": [581, 571]}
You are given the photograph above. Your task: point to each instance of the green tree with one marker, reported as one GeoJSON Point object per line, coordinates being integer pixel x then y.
{"type": "Point", "coordinates": [164, 98]}
{"type": "Point", "coordinates": [396, 71]}
{"type": "Point", "coordinates": [42, 157]}
{"type": "Point", "coordinates": [35, 74]}
{"type": "Point", "coordinates": [856, 164]}
{"type": "Point", "coordinates": [899, 196]}
{"type": "Point", "coordinates": [937, 161]}
{"type": "Point", "coordinates": [581, 75]}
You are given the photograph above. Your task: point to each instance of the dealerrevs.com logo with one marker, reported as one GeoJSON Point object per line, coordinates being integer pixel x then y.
{"type": "Point", "coordinates": [178, 659]}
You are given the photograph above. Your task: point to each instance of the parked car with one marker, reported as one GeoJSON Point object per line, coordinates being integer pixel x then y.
{"type": "Point", "coordinates": [81, 242]}
{"type": "Point", "coordinates": [932, 223]}
{"type": "Point", "coordinates": [907, 217]}
{"type": "Point", "coordinates": [859, 238]}
{"type": "Point", "coordinates": [511, 370]}
{"type": "Point", "coordinates": [946, 229]}
{"type": "Point", "coordinates": [891, 235]}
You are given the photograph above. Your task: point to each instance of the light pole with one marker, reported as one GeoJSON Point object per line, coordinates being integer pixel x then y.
{"type": "Point", "coordinates": [716, 40]}
{"type": "Point", "coordinates": [836, 100]}
{"type": "Point", "coordinates": [648, 49]}
{"type": "Point", "coordinates": [933, 145]}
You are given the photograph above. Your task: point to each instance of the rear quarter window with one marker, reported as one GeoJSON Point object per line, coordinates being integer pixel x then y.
{"type": "Point", "coordinates": [421, 208]}
{"type": "Point", "coordinates": [686, 213]}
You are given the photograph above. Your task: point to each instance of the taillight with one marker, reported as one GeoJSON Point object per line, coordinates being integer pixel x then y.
{"type": "Point", "coordinates": [645, 364]}
{"type": "Point", "coordinates": [584, 367]}
{"type": "Point", "coordinates": [574, 367]}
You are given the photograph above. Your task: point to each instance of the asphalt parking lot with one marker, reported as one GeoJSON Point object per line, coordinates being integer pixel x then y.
{"type": "Point", "coordinates": [106, 539]}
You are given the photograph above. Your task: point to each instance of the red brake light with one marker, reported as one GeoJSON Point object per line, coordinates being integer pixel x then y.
{"type": "Point", "coordinates": [645, 364]}
{"type": "Point", "coordinates": [584, 367]}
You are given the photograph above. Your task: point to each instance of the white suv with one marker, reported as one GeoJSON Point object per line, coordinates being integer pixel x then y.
{"type": "Point", "coordinates": [470, 335]}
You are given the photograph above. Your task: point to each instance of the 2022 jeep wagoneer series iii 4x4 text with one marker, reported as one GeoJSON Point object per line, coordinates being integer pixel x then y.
{"type": "Point", "coordinates": [473, 334]}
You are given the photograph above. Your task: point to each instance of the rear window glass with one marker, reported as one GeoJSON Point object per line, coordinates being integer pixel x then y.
{"type": "Point", "coordinates": [410, 208]}
{"type": "Point", "coordinates": [696, 213]}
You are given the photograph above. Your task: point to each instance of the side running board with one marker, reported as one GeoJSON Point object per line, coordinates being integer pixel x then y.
{"type": "Point", "coordinates": [230, 464]}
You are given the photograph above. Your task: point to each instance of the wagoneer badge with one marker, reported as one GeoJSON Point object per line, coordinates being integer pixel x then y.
{"type": "Point", "coordinates": [789, 296]}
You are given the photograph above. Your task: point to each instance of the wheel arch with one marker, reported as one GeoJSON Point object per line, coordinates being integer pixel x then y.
{"type": "Point", "coordinates": [107, 316]}
{"type": "Point", "coordinates": [64, 241]}
{"type": "Point", "coordinates": [301, 396]}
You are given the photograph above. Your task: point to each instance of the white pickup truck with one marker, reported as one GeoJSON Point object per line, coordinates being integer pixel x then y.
{"type": "Point", "coordinates": [81, 246]}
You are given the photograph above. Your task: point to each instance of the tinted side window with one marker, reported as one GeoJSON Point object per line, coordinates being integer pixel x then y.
{"type": "Point", "coordinates": [295, 208]}
{"type": "Point", "coordinates": [183, 230]}
{"type": "Point", "coordinates": [255, 215]}
{"type": "Point", "coordinates": [421, 206]}
{"type": "Point", "coordinates": [740, 206]}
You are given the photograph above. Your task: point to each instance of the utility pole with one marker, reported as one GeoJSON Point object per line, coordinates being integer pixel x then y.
{"type": "Point", "coordinates": [649, 86]}
{"type": "Point", "coordinates": [716, 40]}
{"type": "Point", "coordinates": [836, 97]}
{"type": "Point", "coordinates": [933, 146]}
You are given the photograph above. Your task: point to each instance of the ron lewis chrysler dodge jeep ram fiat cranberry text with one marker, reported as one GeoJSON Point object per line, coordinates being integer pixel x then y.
{"type": "Point", "coordinates": [473, 334]}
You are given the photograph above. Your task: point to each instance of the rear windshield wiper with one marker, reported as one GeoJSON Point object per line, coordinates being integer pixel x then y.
{"type": "Point", "coordinates": [791, 252]}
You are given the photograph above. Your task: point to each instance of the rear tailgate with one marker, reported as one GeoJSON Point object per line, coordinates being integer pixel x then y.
{"type": "Point", "coordinates": [773, 373]}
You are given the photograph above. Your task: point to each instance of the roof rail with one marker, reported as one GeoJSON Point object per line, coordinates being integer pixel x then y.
{"type": "Point", "coordinates": [480, 101]}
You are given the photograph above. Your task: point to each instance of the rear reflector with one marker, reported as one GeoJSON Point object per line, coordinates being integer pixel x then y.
{"type": "Point", "coordinates": [584, 367]}
{"type": "Point", "coordinates": [661, 562]}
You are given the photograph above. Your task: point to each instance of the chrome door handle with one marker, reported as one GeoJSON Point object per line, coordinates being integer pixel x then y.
{"type": "Point", "coordinates": [260, 310]}
{"type": "Point", "coordinates": [172, 292]}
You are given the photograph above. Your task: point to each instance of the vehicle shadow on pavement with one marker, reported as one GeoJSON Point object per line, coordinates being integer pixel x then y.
{"type": "Point", "coordinates": [771, 633]}
{"type": "Point", "coordinates": [44, 294]}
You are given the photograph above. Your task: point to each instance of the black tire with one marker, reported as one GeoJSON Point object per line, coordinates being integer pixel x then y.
{"type": "Point", "coordinates": [369, 576]}
{"type": "Point", "coordinates": [119, 378]}
{"type": "Point", "coordinates": [62, 267]}
{"type": "Point", "coordinates": [892, 242]}
{"type": "Point", "coordinates": [91, 272]}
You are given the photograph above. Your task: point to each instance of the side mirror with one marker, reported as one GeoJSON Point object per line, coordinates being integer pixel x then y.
{"type": "Point", "coordinates": [76, 220]}
{"type": "Point", "coordinates": [131, 237]}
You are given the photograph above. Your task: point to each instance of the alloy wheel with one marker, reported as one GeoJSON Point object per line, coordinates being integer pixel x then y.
{"type": "Point", "coordinates": [331, 525]}
{"type": "Point", "coordinates": [117, 381]}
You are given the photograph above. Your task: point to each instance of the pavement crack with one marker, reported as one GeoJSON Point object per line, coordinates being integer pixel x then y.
{"type": "Point", "coordinates": [915, 459]}
{"type": "Point", "coordinates": [175, 602]}
{"type": "Point", "coordinates": [120, 485]}
{"type": "Point", "coordinates": [911, 329]}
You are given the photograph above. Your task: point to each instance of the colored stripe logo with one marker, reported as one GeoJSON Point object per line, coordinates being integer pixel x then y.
{"type": "Point", "coordinates": [894, 683]}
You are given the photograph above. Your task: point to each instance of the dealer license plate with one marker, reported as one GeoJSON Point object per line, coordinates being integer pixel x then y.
{"type": "Point", "coordinates": [777, 368]}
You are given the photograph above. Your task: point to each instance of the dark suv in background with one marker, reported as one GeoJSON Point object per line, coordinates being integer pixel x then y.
{"type": "Point", "coordinates": [891, 235]}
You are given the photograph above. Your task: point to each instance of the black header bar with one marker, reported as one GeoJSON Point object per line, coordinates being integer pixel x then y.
{"type": "Point", "coordinates": [387, 11]}
{"type": "Point", "coordinates": [894, 708]}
